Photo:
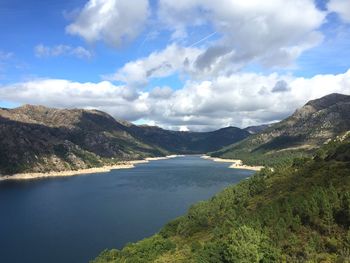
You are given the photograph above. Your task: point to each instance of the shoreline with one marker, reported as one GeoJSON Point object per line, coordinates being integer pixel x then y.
{"type": "Point", "coordinates": [103, 169]}
{"type": "Point", "coordinates": [162, 158]}
{"type": "Point", "coordinates": [236, 163]}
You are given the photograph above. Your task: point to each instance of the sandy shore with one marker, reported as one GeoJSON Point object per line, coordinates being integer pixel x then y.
{"type": "Point", "coordinates": [104, 169]}
{"type": "Point", "coordinates": [162, 158]}
{"type": "Point", "coordinates": [236, 164]}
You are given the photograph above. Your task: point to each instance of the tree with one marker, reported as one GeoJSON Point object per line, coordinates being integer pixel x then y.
{"type": "Point", "coordinates": [244, 246]}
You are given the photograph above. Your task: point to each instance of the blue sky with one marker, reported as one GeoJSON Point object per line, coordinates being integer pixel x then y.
{"type": "Point", "coordinates": [26, 24]}
{"type": "Point", "coordinates": [177, 64]}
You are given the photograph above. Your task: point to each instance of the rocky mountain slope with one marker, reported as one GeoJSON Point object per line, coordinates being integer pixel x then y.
{"type": "Point", "coordinates": [41, 139]}
{"type": "Point", "coordinates": [309, 127]}
{"type": "Point", "coordinates": [257, 129]}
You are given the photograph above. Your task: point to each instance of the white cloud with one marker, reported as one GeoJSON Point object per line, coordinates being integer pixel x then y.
{"type": "Point", "coordinates": [273, 33]}
{"type": "Point", "coordinates": [239, 99]}
{"type": "Point", "coordinates": [157, 65]}
{"type": "Point", "coordinates": [112, 21]}
{"type": "Point", "coordinates": [161, 92]}
{"type": "Point", "coordinates": [341, 7]}
{"type": "Point", "coordinates": [270, 33]}
{"type": "Point", "coordinates": [183, 128]}
{"type": "Point", "coordinates": [61, 50]}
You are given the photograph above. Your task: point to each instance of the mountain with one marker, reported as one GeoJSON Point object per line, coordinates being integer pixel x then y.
{"type": "Point", "coordinates": [299, 213]}
{"type": "Point", "coordinates": [41, 139]}
{"type": "Point", "coordinates": [188, 142]}
{"type": "Point", "coordinates": [257, 129]}
{"type": "Point", "coordinates": [308, 128]}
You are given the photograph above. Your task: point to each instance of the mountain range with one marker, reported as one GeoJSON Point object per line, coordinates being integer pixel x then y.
{"type": "Point", "coordinates": [41, 139]}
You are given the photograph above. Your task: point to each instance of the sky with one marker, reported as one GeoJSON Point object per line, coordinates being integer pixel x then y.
{"type": "Point", "coordinates": [194, 65]}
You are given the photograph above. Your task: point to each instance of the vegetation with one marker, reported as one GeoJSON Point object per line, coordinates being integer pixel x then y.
{"type": "Point", "coordinates": [269, 159]}
{"type": "Point", "coordinates": [296, 213]}
{"type": "Point", "coordinates": [299, 135]}
{"type": "Point", "coordinates": [40, 139]}
{"type": "Point", "coordinates": [188, 142]}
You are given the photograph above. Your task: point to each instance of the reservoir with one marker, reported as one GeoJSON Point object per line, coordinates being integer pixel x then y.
{"type": "Point", "coordinates": [72, 219]}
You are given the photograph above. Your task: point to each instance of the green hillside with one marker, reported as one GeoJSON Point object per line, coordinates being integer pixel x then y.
{"type": "Point", "coordinates": [299, 213]}
{"type": "Point", "coordinates": [296, 136]}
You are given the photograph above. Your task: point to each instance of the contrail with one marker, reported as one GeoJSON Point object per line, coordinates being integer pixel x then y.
{"type": "Point", "coordinates": [204, 38]}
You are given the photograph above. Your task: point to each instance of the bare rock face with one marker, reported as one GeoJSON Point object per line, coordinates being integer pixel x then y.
{"type": "Point", "coordinates": [309, 127]}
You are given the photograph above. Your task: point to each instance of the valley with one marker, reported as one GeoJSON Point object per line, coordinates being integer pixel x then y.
{"type": "Point", "coordinates": [293, 206]}
{"type": "Point", "coordinates": [161, 131]}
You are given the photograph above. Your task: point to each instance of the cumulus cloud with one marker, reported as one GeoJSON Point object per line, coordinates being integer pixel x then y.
{"type": "Point", "coordinates": [270, 34]}
{"type": "Point", "coordinates": [61, 50]}
{"type": "Point", "coordinates": [117, 100]}
{"type": "Point", "coordinates": [273, 33]}
{"type": "Point", "coordinates": [112, 21]}
{"type": "Point", "coordinates": [161, 92]}
{"type": "Point", "coordinates": [158, 64]}
{"type": "Point", "coordinates": [240, 99]}
{"type": "Point", "coordinates": [341, 7]}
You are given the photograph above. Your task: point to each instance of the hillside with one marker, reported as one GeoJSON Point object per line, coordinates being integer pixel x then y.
{"type": "Point", "coordinates": [300, 134]}
{"type": "Point", "coordinates": [299, 213]}
{"type": "Point", "coordinates": [41, 139]}
{"type": "Point", "coordinates": [257, 129]}
{"type": "Point", "coordinates": [188, 142]}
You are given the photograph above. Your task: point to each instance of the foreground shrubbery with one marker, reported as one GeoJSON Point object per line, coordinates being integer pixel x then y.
{"type": "Point", "coordinates": [298, 213]}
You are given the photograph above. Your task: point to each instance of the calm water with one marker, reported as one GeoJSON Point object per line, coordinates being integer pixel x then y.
{"type": "Point", "coordinates": [72, 219]}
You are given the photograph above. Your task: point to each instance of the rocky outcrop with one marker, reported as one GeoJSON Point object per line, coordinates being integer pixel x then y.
{"type": "Point", "coordinates": [309, 127]}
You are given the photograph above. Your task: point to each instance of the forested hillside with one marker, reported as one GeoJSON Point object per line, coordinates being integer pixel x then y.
{"type": "Point", "coordinates": [299, 213]}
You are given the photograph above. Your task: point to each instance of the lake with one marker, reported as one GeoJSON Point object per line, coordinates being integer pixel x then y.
{"type": "Point", "coordinates": [72, 219]}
